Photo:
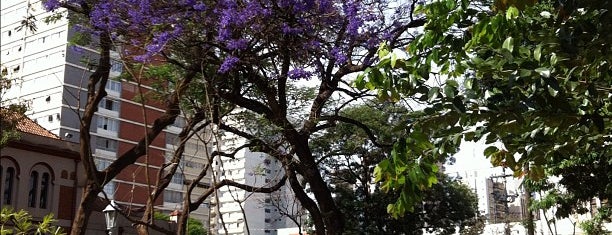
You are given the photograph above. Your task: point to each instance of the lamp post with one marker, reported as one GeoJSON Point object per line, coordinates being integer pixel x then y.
{"type": "Point", "coordinates": [110, 214]}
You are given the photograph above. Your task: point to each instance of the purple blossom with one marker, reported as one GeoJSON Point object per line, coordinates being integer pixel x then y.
{"type": "Point", "coordinates": [103, 17]}
{"type": "Point", "coordinates": [199, 7]}
{"type": "Point", "coordinates": [299, 73]}
{"type": "Point", "coordinates": [314, 44]}
{"type": "Point", "coordinates": [372, 42]}
{"type": "Point", "coordinates": [351, 10]}
{"type": "Point", "coordinates": [188, 2]}
{"type": "Point", "coordinates": [237, 44]}
{"type": "Point", "coordinates": [228, 64]}
{"type": "Point", "coordinates": [286, 29]}
{"type": "Point", "coordinates": [336, 54]}
{"type": "Point", "coordinates": [141, 58]}
{"type": "Point", "coordinates": [51, 5]}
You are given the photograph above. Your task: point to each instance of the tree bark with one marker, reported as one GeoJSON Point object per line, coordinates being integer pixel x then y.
{"type": "Point", "coordinates": [90, 194]}
{"type": "Point", "coordinates": [527, 197]}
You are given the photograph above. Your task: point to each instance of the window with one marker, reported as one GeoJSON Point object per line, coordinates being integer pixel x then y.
{"type": "Point", "coordinates": [116, 67]}
{"type": "Point", "coordinates": [180, 123]}
{"type": "Point", "coordinates": [108, 124]}
{"type": "Point", "coordinates": [178, 178]}
{"type": "Point", "coordinates": [44, 190]}
{"type": "Point", "coordinates": [109, 188]}
{"type": "Point", "coordinates": [114, 86]}
{"type": "Point", "coordinates": [39, 187]}
{"type": "Point", "coordinates": [173, 196]}
{"type": "Point", "coordinates": [33, 189]}
{"type": "Point", "coordinates": [267, 210]}
{"type": "Point", "coordinates": [106, 144]}
{"type": "Point", "coordinates": [194, 164]}
{"type": "Point", "coordinates": [101, 164]}
{"type": "Point", "coordinates": [109, 104]}
{"type": "Point", "coordinates": [8, 183]}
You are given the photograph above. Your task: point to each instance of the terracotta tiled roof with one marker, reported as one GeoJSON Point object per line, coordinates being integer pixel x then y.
{"type": "Point", "coordinates": [26, 125]}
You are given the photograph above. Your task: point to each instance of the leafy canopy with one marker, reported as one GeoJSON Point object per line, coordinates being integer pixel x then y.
{"type": "Point", "coordinates": [535, 77]}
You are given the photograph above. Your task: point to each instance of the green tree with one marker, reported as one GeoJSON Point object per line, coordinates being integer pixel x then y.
{"type": "Point", "coordinates": [349, 154]}
{"type": "Point", "coordinates": [194, 226]}
{"type": "Point", "coordinates": [10, 113]}
{"type": "Point", "coordinates": [595, 226]}
{"type": "Point", "coordinates": [448, 205]}
{"type": "Point", "coordinates": [21, 223]}
{"type": "Point", "coordinates": [535, 77]}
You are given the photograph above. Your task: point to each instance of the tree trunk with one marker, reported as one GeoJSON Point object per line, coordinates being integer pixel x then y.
{"type": "Point", "coordinates": [332, 217]}
{"type": "Point", "coordinates": [90, 194]}
{"type": "Point", "coordinates": [143, 229]}
{"type": "Point", "coordinates": [527, 197]}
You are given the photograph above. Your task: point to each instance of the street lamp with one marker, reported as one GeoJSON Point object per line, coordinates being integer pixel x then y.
{"type": "Point", "coordinates": [110, 214]}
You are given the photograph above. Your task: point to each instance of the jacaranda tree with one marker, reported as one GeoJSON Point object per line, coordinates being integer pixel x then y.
{"type": "Point", "coordinates": [242, 56]}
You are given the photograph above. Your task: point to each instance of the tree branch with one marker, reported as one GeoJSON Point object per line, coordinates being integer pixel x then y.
{"type": "Point", "coordinates": [356, 123]}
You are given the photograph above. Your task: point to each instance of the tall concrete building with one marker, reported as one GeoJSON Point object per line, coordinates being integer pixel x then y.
{"type": "Point", "coordinates": [239, 211]}
{"type": "Point", "coordinates": [51, 77]}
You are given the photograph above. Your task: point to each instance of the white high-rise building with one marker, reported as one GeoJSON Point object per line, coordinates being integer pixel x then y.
{"type": "Point", "coordinates": [237, 210]}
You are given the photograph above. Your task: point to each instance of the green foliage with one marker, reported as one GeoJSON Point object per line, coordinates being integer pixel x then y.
{"type": "Point", "coordinates": [194, 226]}
{"type": "Point", "coordinates": [447, 206]}
{"type": "Point", "coordinates": [535, 78]}
{"type": "Point", "coordinates": [595, 226]}
{"type": "Point", "coordinates": [10, 114]}
{"type": "Point", "coordinates": [20, 222]}
{"type": "Point", "coordinates": [349, 157]}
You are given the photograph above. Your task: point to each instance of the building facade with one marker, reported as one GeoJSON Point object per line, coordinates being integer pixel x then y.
{"type": "Point", "coordinates": [239, 211]}
{"type": "Point", "coordinates": [40, 173]}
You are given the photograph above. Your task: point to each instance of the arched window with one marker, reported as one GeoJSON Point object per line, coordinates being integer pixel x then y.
{"type": "Point", "coordinates": [41, 186]}
{"type": "Point", "coordinates": [44, 190]}
{"type": "Point", "coordinates": [33, 189]}
{"type": "Point", "coordinates": [9, 171]}
{"type": "Point", "coordinates": [9, 187]}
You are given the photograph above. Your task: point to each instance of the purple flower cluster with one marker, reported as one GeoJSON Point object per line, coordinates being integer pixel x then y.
{"type": "Point", "coordinates": [51, 5]}
{"type": "Point", "coordinates": [104, 17]}
{"type": "Point", "coordinates": [351, 10]}
{"type": "Point", "coordinates": [312, 31]}
{"type": "Point", "coordinates": [237, 44]}
{"type": "Point", "coordinates": [298, 74]}
{"type": "Point", "coordinates": [338, 55]}
{"type": "Point", "coordinates": [228, 64]}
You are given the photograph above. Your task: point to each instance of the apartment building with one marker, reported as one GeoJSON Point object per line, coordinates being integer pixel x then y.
{"type": "Point", "coordinates": [239, 211]}
{"type": "Point", "coordinates": [51, 76]}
